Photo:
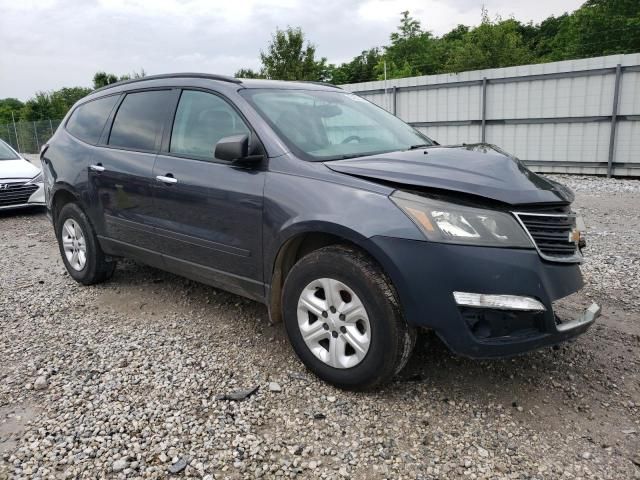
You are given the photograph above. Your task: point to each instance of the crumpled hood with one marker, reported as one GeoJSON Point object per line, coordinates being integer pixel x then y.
{"type": "Point", "coordinates": [18, 168]}
{"type": "Point", "coordinates": [479, 169]}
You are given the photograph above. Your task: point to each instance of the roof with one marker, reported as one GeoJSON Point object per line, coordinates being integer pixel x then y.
{"type": "Point", "coordinates": [244, 82]}
{"type": "Point", "coordinates": [209, 76]}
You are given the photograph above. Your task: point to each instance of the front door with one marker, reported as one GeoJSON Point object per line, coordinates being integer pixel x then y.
{"type": "Point", "coordinates": [209, 212]}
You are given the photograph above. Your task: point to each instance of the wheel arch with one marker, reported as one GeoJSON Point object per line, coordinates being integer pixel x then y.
{"type": "Point", "coordinates": [60, 197]}
{"type": "Point", "coordinates": [304, 239]}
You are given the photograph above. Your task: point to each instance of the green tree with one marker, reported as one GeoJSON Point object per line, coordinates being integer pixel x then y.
{"type": "Point", "coordinates": [388, 68]}
{"type": "Point", "coordinates": [247, 73]}
{"type": "Point", "coordinates": [133, 76]}
{"type": "Point", "coordinates": [409, 28]}
{"type": "Point", "coordinates": [457, 33]}
{"type": "Point", "coordinates": [289, 57]}
{"type": "Point", "coordinates": [361, 69]}
{"type": "Point", "coordinates": [7, 106]}
{"type": "Point", "coordinates": [39, 107]}
{"type": "Point", "coordinates": [102, 79]}
{"type": "Point", "coordinates": [54, 104]}
{"type": "Point", "coordinates": [491, 44]}
{"type": "Point", "coordinates": [413, 51]}
{"type": "Point", "coordinates": [541, 38]}
{"type": "Point", "coordinates": [599, 27]}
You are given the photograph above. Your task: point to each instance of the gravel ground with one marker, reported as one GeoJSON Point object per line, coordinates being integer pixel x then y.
{"type": "Point", "coordinates": [125, 379]}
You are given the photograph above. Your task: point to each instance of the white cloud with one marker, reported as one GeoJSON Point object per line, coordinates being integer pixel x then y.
{"type": "Point", "coordinates": [436, 16]}
{"type": "Point", "coordinates": [48, 44]}
{"type": "Point", "coordinates": [440, 16]}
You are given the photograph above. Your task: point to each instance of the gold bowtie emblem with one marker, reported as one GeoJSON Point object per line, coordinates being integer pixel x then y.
{"type": "Point", "coordinates": [574, 236]}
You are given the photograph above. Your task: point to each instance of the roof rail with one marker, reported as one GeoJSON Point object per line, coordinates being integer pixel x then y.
{"type": "Point", "coordinates": [210, 76]}
{"type": "Point", "coordinates": [324, 84]}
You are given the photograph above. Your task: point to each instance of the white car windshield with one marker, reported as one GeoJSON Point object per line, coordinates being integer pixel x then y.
{"type": "Point", "coordinates": [6, 153]}
{"type": "Point", "coordinates": [326, 125]}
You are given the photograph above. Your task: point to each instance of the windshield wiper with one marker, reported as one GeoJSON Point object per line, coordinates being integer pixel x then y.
{"type": "Point", "coordinates": [352, 155]}
{"type": "Point", "coordinates": [420, 145]}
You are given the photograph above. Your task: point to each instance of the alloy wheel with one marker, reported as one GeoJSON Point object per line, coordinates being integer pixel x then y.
{"type": "Point", "coordinates": [334, 323]}
{"type": "Point", "coordinates": [74, 244]}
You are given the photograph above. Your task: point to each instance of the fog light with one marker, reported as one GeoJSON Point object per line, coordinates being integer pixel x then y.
{"type": "Point", "coordinates": [501, 302]}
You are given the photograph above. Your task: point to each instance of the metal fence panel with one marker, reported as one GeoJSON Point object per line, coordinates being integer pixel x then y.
{"type": "Point", "coordinates": [630, 93]}
{"type": "Point", "coordinates": [554, 142]}
{"type": "Point", "coordinates": [561, 97]}
{"type": "Point", "coordinates": [628, 143]}
{"type": "Point", "coordinates": [454, 135]}
{"type": "Point", "coordinates": [558, 117]}
{"type": "Point", "coordinates": [439, 105]}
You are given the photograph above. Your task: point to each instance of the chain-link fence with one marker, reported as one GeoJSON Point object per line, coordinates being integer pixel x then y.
{"type": "Point", "coordinates": [28, 137]}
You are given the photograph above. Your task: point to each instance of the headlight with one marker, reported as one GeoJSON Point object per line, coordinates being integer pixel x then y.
{"type": "Point", "coordinates": [37, 178]}
{"type": "Point", "coordinates": [451, 223]}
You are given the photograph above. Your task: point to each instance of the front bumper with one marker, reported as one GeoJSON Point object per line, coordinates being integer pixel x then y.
{"type": "Point", "coordinates": [426, 274]}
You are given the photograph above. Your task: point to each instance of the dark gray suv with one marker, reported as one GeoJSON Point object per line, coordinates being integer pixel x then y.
{"type": "Point", "coordinates": [351, 226]}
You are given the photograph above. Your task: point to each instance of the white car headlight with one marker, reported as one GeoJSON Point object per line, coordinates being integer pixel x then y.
{"type": "Point", "coordinates": [37, 178]}
{"type": "Point", "coordinates": [451, 223]}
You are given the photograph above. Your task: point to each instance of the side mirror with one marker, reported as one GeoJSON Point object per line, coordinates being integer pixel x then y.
{"type": "Point", "coordinates": [235, 149]}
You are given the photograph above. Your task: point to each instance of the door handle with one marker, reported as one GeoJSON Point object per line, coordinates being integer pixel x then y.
{"type": "Point", "coordinates": [96, 168]}
{"type": "Point", "coordinates": [167, 179]}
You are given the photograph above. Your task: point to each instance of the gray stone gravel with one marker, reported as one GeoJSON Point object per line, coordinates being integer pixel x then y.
{"type": "Point", "coordinates": [131, 379]}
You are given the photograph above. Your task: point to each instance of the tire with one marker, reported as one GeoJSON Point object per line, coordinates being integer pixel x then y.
{"type": "Point", "coordinates": [95, 268]}
{"type": "Point", "coordinates": [358, 351]}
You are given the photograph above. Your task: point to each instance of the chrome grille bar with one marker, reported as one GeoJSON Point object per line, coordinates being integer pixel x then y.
{"type": "Point", "coordinates": [552, 234]}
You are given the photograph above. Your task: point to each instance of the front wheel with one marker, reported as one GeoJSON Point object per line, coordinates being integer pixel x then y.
{"type": "Point", "coordinates": [343, 319]}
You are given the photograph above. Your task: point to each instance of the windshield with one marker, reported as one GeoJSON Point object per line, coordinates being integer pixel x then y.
{"type": "Point", "coordinates": [323, 125]}
{"type": "Point", "coordinates": [6, 153]}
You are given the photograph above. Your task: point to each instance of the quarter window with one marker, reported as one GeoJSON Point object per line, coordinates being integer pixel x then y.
{"type": "Point", "coordinates": [138, 123]}
{"type": "Point", "coordinates": [201, 120]}
{"type": "Point", "coordinates": [87, 121]}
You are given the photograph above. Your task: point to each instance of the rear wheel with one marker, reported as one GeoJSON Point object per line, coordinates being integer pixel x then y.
{"type": "Point", "coordinates": [343, 318]}
{"type": "Point", "coordinates": [81, 253]}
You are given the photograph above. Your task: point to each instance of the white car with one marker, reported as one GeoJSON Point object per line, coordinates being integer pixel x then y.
{"type": "Point", "coordinates": [20, 181]}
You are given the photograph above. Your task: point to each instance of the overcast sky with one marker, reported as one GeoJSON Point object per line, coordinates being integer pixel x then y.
{"type": "Point", "coordinates": [48, 44]}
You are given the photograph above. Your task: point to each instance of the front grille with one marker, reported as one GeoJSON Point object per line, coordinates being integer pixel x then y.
{"type": "Point", "coordinates": [552, 234]}
{"type": "Point", "coordinates": [15, 193]}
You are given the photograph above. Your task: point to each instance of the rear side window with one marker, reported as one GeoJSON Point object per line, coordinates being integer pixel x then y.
{"type": "Point", "coordinates": [138, 123]}
{"type": "Point", "coordinates": [201, 120]}
{"type": "Point", "coordinates": [87, 121]}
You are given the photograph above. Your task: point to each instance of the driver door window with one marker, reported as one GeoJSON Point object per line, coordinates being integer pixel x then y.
{"type": "Point", "coordinates": [201, 120]}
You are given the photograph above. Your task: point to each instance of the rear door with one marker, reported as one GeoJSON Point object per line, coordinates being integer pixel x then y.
{"type": "Point", "coordinates": [87, 124]}
{"type": "Point", "coordinates": [122, 174]}
{"type": "Point", "coordinates": [209, 211]}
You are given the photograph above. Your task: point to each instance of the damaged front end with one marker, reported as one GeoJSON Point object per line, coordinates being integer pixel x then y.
{"type": "Point", "coordinates": [501, 246]}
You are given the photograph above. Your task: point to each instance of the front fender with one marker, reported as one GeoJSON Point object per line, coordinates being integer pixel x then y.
{"type": "Point", "coordinates": [296, 230]}
{"type": "Point", "coordinates": [295, 205]}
